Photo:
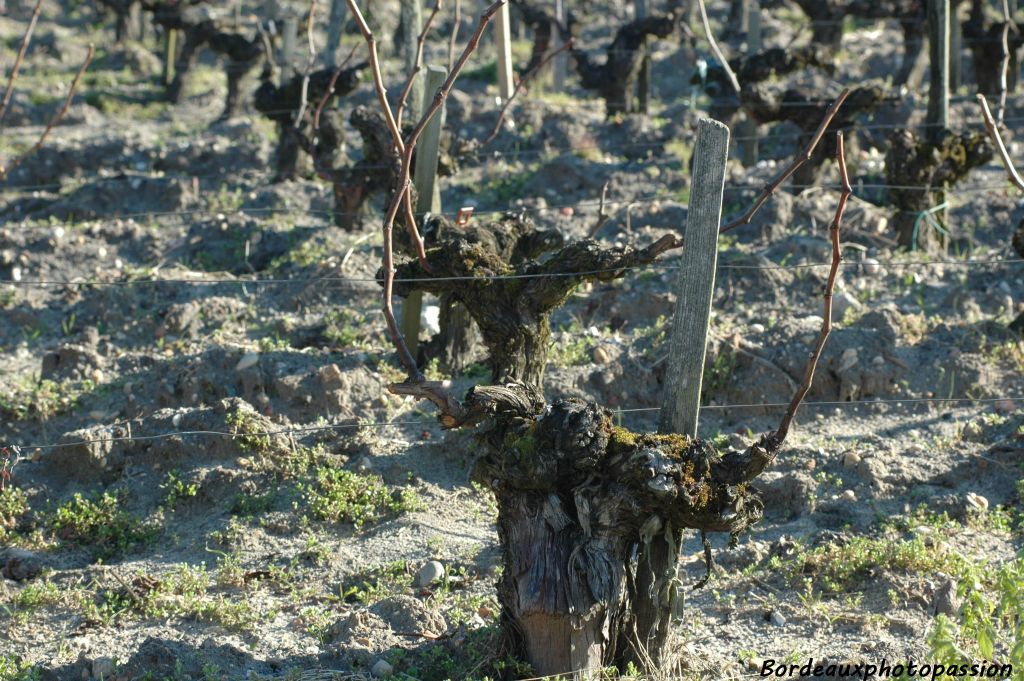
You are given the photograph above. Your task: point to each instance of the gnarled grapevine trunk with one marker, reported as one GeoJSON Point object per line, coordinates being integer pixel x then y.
{"type": "Point", "coordinates": [924, 170]}
{"type": "Point", "coordinates": [615, 78]}
{"type": "Point", "coordinates": [482, 266]}
{"type": "Point", "coordinates": [586, 510]}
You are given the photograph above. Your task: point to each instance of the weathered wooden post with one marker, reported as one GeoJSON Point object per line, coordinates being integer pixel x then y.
{"type": "Point", "coordinates": [753, 26]}
{"type": "Point", "coordinates": [412, 26]}
{"type": "Point", "coordinates": [938, 89]}
{"type": "Point", "coordinates": [658, 568]}
{"type": "Point", "coordinates": [170, 54]}
{"type": "Point", "coordinates": [428, 194]}
{"type": "Point", "coordinates": [643, 81]}
{"type": "Point", "coordinates": [955, 49]}
{"type": "Point", "coordinates": [746, 129]}
{"type": "Point", "coordinates": [289, 39]}
{"type": "Point", "coordinates": [696, 282]}
{"type": "Point", "coordinates": [335, 29]}
{"type": "Point", "coordinates": [503, 42]}
{"type": "Point", "coordinates": [938, 94]}
{"type": "Point", "coordinates": [738, 16]}
{"type": "Point", "coordinates": [137, 21]}
{"type": "Point", "coordinates": [560, 66]}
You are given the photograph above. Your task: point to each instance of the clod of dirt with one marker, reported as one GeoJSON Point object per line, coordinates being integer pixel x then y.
{"type": "Point", "coordinates": [117, 197]}
{"type": "Point", "coordinates": [19, 564]}
{"type": "Point", "coordinates": [409, 615]}
{"type": "Point", "coordinates": [71, 361]}
{"type": "Point", "coordinates": [792, 493]}
{"type": "Point", "coordinates": [101, 453]}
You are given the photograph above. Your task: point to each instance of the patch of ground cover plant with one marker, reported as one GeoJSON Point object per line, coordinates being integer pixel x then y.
{"type": "Point", "coordinates": [989, 623]}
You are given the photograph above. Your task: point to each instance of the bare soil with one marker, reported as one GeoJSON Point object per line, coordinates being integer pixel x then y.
{"type": "Point", "coordinates": [185, 292]}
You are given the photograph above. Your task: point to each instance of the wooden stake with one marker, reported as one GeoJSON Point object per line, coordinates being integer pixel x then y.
{"type": "Point", "coordinates": [503, 40]}
{"type": "Point", "coordinates": [753, 26]}
{"type": "Point", "coordinates": [428, 194]}
{"type": "Point", "coordinates": [560, 64]}
{"type": "Point", "coordinates": [938, 90]}
{"type": "Point", "coordinates": [289, 39]}
{"type": "Point", "coordinates": [746, 130]}
{"type": "Point", "coordinates": [696, 282]}
{"type": "Point", "coordinates": [643, 80]}
{"type": "Point", "coordinates": [170, 54]}
{"type": "Point", "coordinates": [412, 26]}
{"type": "Point", "coordinates": [335, 29]}
{"type": "Point", "coordinates": [955, 49]}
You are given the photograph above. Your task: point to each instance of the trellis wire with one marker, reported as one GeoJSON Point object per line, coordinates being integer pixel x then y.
{"type": "Point", "coordinates": [666, 264]}
{"type": "Point", "coordinates": [384, 424]}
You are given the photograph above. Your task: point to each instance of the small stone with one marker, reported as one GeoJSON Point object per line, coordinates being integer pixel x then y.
{"type": "Point", "coordinates": [248, 360]}
{"type": "Point", "coordinates": [102, 668]}
{"type": "Point", "coordinates": [738, 442]}
{"type": "Point", "coordinates": [976, 502]}
{"type": "Point", "coordinates": [431, 572]}
{"type": "Point", "coordinates": [430, 319]}
{"type": "Point", "coordinates": [381, 669]}
{"type": "Point", "coordinates": [842, 303]}
{"type": "Point", "coordinates": [757, 328]}
{"type": "Point", "coordinates": [851, 459]}
{"type": "Point", "coordinates": [777, 618]}
{"type": "Point", "coordinates": [872, 266]}
{"type": "Point", "coordinates": [848, 495]}
{"type": "Point", "coordinates": [946, 601]}
{"type": "Point", "coordinates": [849, 359]}
{"type": "Point", "coordinates": [1005, 406]}
{"type": "Point", "coordinates": [19, 564]}
{"type": "Point", "coordinates": [601, 355]}
{"type": "Point", "coordinates": [330, 377]}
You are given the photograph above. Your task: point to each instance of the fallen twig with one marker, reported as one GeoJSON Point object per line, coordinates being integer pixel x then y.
{"type": "Point", "coordinates": [798, 161]}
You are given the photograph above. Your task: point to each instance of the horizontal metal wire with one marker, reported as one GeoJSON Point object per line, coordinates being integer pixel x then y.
{"type": "Point", "coordinates": [383, 424]}
{"type": "Point", "coordinates": [665, 264]}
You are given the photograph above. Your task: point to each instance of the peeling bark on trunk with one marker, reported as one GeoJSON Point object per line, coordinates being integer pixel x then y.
{"type": "Point", "coordinates": [585, 509]}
